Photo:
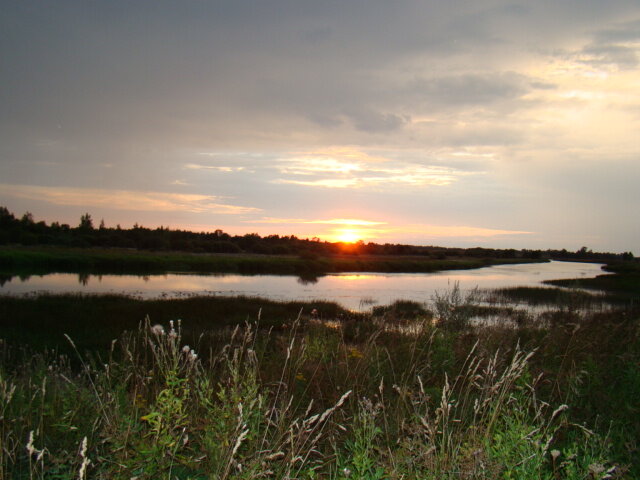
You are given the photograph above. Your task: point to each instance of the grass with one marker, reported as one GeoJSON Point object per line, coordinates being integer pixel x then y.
{"type": "Point", "coordinates": [319, 395]}
{"type": "Point", "coordinates": [623, 283]}
{"type": "Point", "coordinates": [93, 321]}
{"type": "Point", "coordinates": [39, 260]}
{"type": "Point", "coordinates": [545, 296]}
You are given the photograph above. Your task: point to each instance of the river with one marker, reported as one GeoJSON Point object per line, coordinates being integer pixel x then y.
{"type": "Point", "coordinates": [355, 291]}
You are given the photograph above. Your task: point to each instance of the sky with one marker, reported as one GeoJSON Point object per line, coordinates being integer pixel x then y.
{"type": "Point", "coordinates": [507, 124]}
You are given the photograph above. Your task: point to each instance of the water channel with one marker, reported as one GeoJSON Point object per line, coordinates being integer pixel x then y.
{"type": "Point", "coordinates": [355, 291]}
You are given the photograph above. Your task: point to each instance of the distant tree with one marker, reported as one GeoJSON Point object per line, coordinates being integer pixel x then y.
{"type": "Point", "coordinates": [5, 213]}
{"type": "Point", "coordinates": [86, 222]}
{"type": "Point", "coordinates": [6, 218]}
{"type": "Point", "coordinates": [27, 218]}
{"type": "Point", "coordinates": [102, 225]}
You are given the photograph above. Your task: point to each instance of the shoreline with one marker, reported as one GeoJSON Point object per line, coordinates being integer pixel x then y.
{"type": "Point", "coordinates": [40, 260]}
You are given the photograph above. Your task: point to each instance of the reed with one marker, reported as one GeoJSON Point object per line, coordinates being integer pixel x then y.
{"type": "Point", "coordinates": [329, 397]}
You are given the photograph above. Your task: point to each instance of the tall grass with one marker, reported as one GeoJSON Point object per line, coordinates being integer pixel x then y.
{"type": "Point", "coordinates": [331, 399]}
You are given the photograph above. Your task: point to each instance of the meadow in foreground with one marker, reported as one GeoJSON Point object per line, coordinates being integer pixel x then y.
{"type": "Point", "coordinates": [395, 396]}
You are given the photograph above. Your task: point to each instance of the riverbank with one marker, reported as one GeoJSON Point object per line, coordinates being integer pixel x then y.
{"type": "Point", "coordinates": [41, 260]}
{"type": "Point", "coordinates": [40, 315]}
{"type": "Point", "coordinates": [322, 395]}
{"type": "Point", "coordinates": [42, 320]}
{"type": "Point", "coordinates": [250, 388]}
{"type": "Point", "coordinates": [624, 281]}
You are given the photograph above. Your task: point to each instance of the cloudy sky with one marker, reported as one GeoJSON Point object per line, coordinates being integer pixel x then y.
{"type": "Point", "coordinates": [458, 123]}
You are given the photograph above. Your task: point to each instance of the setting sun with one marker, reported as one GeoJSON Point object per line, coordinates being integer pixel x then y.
{"type": "Point", "coordinates": [348, 236]}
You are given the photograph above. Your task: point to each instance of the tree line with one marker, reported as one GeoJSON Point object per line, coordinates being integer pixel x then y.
{"type": "Point", "coordinates": [29, 232]}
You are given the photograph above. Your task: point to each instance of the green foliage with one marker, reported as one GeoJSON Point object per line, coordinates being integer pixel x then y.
{"type": "Point", "coordinates": [41, 260]}
{"type": "Point", "coordinates": [516, 448]}
{"type": "Point", "coordinates": [362, 461]}
{"type": "Point", "coordinates": [453, 309]}
{"type": "Point", "coordinates": [326, 399]}
{"type": "Point", "coordinates": [167, 422]}
{"type": "Point", "coordinates": [401, 309]}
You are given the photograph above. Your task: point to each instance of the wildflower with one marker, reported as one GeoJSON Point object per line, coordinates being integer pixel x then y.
{"type": "Point", "coordinates": [300, 377]}
{"type": "Point", "coordinates": [172, 330]}
{"type": "Point", "coordinates": [139, 401]}
{"type": "Point", "coordinates": [355, 353]}
{"type": "Point", "coordinates": [186, 349]}
{"type": "Point", "coordinates": [157, 329]}
{"type": "Point", "coordinates": [346, 472]}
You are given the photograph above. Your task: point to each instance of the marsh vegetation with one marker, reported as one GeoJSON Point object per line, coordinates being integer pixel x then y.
{"type": "Point", "coordinates": [255, 389]}
{"type": "Point", "coordinates": [513, 383]}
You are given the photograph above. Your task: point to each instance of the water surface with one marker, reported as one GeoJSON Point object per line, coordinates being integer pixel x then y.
{"type": "Point", "coordinates": [355, 291]}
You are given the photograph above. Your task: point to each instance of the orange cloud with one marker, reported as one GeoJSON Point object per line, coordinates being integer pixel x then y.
{"type": "Point", "coordinates": [430, 231]}
{"type": "Point", "coordinates": [225, 169]}
{"type": "Point", "coordinates": [381, 231]}
{"type": "Point", "coordinates": [333, 221]}
{"type": "Point", "coordinates": [125, 199]}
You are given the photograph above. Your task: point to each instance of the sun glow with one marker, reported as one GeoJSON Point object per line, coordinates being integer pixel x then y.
{"type": "Point", "coordinates": [348, 235]}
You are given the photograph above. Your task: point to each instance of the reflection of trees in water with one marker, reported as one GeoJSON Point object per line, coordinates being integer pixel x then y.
{"type": "Point", "coordinates": [4, 279]}
{"type": "Point", "coordinates": [307, 279]}
{"type": "Point", "coordinates": [83, 279]}
{"type": "Point", "coordinates": [24, 277]}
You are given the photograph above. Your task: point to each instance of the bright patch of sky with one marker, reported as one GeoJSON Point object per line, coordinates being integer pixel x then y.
{"type": "Point", "coordinates": [492, 123]}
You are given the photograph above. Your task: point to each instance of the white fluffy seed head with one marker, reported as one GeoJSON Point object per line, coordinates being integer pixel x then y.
{"type": "Point", "coordinates": [157, 329]}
